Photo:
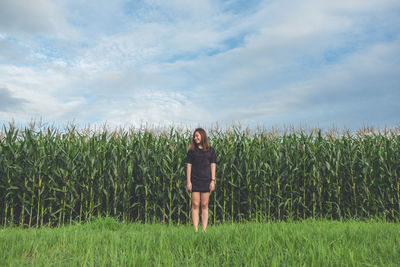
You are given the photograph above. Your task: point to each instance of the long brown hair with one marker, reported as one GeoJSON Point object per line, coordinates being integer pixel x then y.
{"type": "Point", "coordinates": [204, 140]}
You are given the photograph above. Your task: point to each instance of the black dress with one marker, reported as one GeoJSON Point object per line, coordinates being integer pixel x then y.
{"type": "Point", "coordinates": [200, 175]}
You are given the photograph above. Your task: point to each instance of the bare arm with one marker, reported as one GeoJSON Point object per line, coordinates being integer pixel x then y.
{"type": "Point", "coordinates": [188, 173]}
{"type": "Point", "coordinates": [212, 184]}
{"type": "Point", "coordinates": [213, 166]}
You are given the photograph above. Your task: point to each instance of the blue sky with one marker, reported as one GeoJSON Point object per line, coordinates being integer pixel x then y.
{"type": "Point", "coordinates": [197, 63]}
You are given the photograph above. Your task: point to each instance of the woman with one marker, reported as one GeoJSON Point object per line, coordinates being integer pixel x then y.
{"type": "Point", "coordinates": [201, 163]}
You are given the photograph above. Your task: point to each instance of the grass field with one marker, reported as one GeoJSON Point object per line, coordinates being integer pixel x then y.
{"type": "Point", "coordinates": [107, 242]}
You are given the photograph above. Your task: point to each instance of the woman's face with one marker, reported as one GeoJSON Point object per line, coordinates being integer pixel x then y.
{"type": "Point", "coordinates": [197, 137]}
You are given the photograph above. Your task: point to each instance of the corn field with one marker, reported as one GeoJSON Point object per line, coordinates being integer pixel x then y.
{"type": "Point", "coordinates": [52, 178]}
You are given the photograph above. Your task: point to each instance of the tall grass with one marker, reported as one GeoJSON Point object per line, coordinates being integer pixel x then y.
{"type": "Point", "coordinates": [49, 177]}
{"type": "Point", "coordinates": [106, 242]}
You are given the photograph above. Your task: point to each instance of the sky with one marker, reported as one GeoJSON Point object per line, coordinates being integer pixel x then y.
{"type": "Point", "coordinates": [304, 63]}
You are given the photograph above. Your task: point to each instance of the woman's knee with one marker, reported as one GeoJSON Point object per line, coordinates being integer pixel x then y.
{"type": "Point", "coordinates": [195, 205]}
{"type": "Point", "coordinates": [204, 205]}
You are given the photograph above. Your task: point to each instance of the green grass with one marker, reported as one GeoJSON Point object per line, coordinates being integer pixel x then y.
{"type": "Point", "coordinates": [107, 242]}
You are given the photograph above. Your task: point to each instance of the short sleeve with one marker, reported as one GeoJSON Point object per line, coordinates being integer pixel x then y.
{"type": "Point", "coordinates": [213, 156]}
{"type": "Point", "coordinates": [189, 157]}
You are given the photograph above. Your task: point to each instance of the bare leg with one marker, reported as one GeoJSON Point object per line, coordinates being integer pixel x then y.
{"type": "Point", "coordinates": [204, 209]}
{"type": "Point", "coordinates": [195, 209]}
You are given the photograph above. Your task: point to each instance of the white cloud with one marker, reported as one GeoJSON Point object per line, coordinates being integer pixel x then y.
{"type": "Point", "coordinates": [24, 18]}
{"type": "Point", "coordinates": [363, 86]}
{"type": "Point", "coordinates": [173, 61]}
{"type": "Point", "coordinates": [153, 107]}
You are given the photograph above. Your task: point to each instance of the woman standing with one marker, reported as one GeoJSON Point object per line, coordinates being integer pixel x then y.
{"type": "Point", "coordinates": [201, 163]}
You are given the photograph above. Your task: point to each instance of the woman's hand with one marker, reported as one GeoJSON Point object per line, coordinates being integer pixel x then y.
{"type": "Point", "coordinates": [212, 186]}
{"type": "Point", "coordinates": [189, 187]}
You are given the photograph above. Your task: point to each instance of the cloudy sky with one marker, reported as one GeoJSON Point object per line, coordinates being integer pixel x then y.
{"type": "Point", "coordinates": [318, 63]}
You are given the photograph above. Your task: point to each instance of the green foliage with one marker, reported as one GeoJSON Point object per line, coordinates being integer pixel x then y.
{"type": "Point", "coordinates": [53, 178]}
{"type": "Point", "coordinates": [107, 242]}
